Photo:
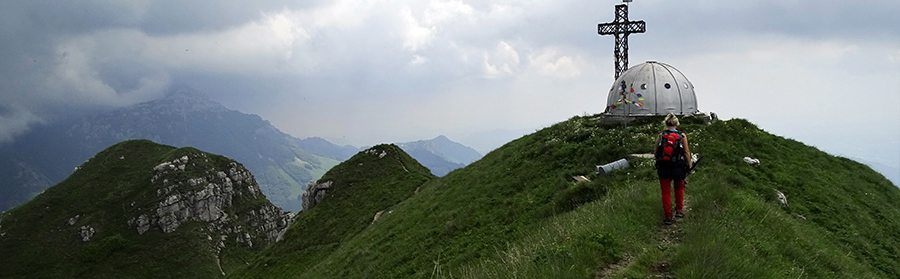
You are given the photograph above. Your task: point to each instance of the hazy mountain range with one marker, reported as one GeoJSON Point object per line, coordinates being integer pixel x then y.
{"type": "Point", "coordinates": [185, 117]}
{"type": "Point", "coordinates": [440, 155]}
{"type": "Point", "coordinates": [282, 164]}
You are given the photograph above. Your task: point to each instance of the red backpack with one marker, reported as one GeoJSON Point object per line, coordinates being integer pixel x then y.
{"type": "Point", "coordinates": [671, 148]}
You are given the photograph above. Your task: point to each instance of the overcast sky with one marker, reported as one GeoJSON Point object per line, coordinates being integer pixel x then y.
{"type": "Point", "coordinates": [826, 73]}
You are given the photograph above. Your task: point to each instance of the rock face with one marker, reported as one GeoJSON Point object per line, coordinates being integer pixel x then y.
{"type": "Point", "coordinates": [191, 191]}
{"type": "Point", "coordinates": [314, 193]}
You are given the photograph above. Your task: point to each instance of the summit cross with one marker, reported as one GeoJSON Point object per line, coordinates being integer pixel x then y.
{"type": "Point", "coordinates": [621, 28]}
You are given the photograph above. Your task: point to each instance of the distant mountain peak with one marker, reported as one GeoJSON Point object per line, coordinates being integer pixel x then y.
{"type": "Point", "coordinates": [441, 154]}
{"type": "Point", "coordinates": [179, 91]}
{"type": "Point", "coordinates": [185, 98]}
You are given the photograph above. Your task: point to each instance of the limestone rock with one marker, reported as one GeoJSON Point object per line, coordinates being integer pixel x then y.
{"type": "Point", "coordinates": [86, 233]}
{"type": "Point", "coordinates": [377, 215]}
{"type": "Point", "coordinates": [374, 151]}
{"type": "Point", "coordinates": [73, 220]}
{"type": "Point", "coordinates": [314, 193]}
{"type": "Point", "coordinates": [211, 198]}
{"type": "Point", "coordinates": [781, 198]}
{"type": "Point", "coordinates": [751, 161]}
{"type": "Point", "coordinates": [143, 224]}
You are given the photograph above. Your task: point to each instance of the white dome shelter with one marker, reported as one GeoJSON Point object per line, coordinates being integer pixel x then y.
{"type": "Point", "coordinates": [651, 88]}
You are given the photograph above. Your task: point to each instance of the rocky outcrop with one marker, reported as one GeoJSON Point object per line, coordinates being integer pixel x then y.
{"type": "Point", "coordinates": [86, 233]}
{"type": "Point", "coordinates": [229, 200]}
{"type": "Point", "coordinates": [314, 193]}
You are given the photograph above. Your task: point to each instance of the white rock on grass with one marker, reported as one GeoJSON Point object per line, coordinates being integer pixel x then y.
{"type": "Point", "coordinates": [73, 220]}
{"type": "Point", "coordinates": [781, 198]}
{"type": "Point", "coordinates": [751, 161]}
{"type": "Point", "coordinates": [86, 233]}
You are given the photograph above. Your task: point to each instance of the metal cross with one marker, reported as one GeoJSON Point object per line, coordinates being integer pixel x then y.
{"type": "Point", "coordinates": [621, 28]}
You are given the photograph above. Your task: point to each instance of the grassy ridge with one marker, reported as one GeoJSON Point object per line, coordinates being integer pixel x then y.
{"type": "Point", "coordinates": [517, 213]}
{"type": "Point", "coordinates": [736, 228]}
{"type": "Point", "coordinates": [465, 216]}
{"type": "Point", "coordinates": [363, 185]}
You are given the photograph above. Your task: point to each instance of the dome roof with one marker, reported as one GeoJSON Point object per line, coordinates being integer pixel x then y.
{"type": "Point", "coordinates": [651, 88]}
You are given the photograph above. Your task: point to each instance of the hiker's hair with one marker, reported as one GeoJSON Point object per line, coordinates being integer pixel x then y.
{"type": "Point", "coordinates": [671, 120]}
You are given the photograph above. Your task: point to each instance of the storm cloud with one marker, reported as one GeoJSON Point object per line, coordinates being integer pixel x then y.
{"type": "Point", "coordinates": [363, 72]}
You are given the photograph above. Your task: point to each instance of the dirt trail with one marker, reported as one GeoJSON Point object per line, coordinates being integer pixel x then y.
{"type": "Point", "coordinates": [669, 238]}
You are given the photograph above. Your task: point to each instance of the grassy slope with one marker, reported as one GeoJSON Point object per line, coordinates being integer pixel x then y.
{"type": "Point", "coordinates": [852, 213]}
{"type": "Point", "coordinates": [518, 214]}
{"type": "Point", "coordinates": [38, 242]}
{"type": "Point", "coordinates": [362, 185]}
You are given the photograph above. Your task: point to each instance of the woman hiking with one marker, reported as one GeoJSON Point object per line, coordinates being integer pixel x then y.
{"type": "Point", "coordinates": [672, 162]}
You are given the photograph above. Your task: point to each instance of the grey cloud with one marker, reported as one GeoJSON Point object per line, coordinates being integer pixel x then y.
{"type": "Point", "coordinates": [29, 36]}
{"type": "Point", "coordinates": [694, 26]}
{"type": "Point", "coordinates": [168, 17]}
{"type": "Point", "coordinates": [353, 72]}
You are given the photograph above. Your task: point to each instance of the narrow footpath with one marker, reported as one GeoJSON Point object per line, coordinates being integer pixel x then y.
{"type": "Point", "coordinates": [669, 238]}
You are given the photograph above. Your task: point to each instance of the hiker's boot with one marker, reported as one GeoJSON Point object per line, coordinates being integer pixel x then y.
{"type": "Point", "coordinates": [679, 214]}
{"type": "Point", "coordinates": [667, 221]}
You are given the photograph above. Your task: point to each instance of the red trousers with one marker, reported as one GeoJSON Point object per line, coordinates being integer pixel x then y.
{"type": "Point", "coordinates": [666, 187]}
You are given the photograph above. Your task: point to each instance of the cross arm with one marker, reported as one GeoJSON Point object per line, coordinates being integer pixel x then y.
{"type": "Point", "coordinates": [622, 27]}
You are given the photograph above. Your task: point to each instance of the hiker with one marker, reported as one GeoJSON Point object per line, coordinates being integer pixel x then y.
{"type": "Point", "coordinates": [672, 162]}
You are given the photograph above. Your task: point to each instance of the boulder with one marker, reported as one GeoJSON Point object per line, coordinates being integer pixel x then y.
{"type": "Point", "coordinates": [86, 233]}
{"type": "Point", "coordinates": [314, 193]}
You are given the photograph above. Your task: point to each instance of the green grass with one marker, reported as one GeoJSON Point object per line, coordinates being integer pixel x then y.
{"type": "Point", "coordinates": [517, 213]}
{"type": "Point", "coordinates": [105, 193]}
{"type": "Point", "coordinates": [851, 226]}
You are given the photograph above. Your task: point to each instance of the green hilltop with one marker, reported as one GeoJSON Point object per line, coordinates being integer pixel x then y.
{"type": "Point", "coordinates": [137, 210]}
{"type": "Point", "coordinates": [370, 183]}
{"type": "Point", "coordinates": [518, 213]}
